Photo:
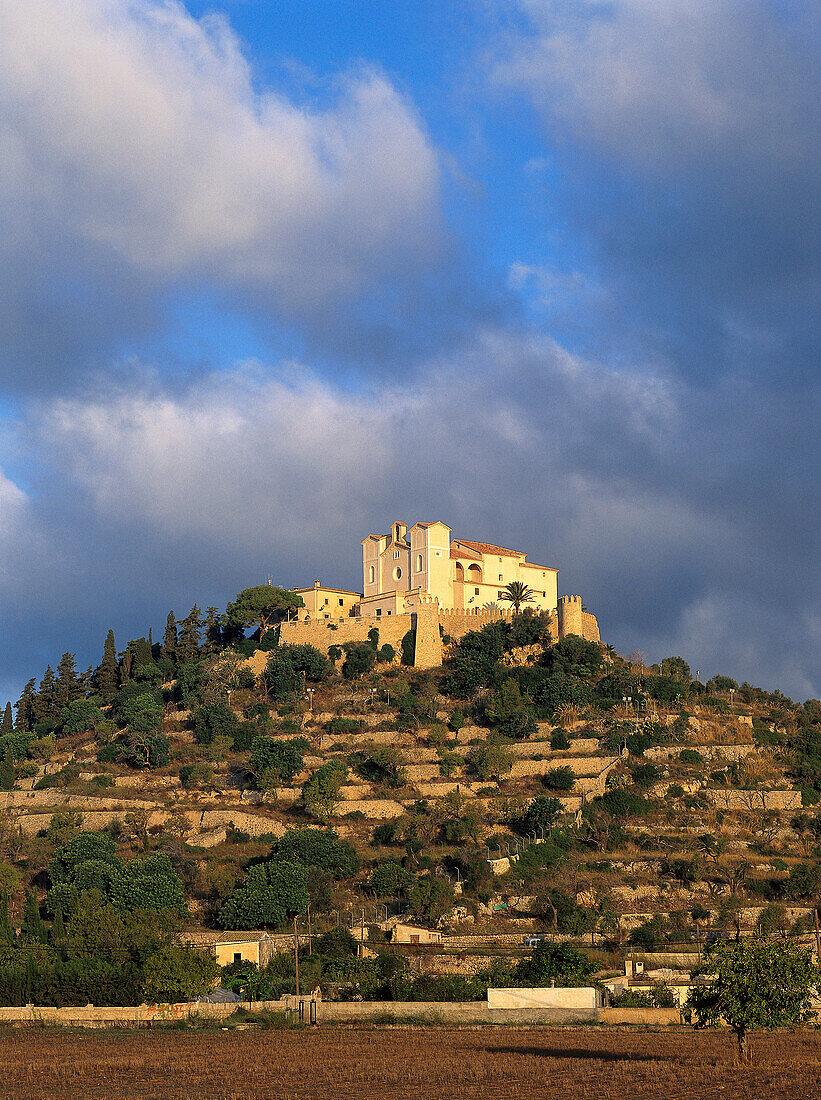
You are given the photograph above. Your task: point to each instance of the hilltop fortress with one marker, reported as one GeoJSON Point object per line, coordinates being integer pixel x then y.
{"type": "Point", "coordinates": [427, 583]}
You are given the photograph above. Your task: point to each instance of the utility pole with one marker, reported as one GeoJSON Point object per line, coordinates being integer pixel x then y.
{"type": "Point", "coordinates": [817, 937]}
{"type": "Point", "coordinates": [362, 935]}
{"type": "Point", "coordinates": [310, 942]}
{"type": "Point", "coordinates": [296, 957]}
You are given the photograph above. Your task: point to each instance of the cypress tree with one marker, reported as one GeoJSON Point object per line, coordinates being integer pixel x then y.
{"type": "Point", "coordinates": [8, 775]}
{"type": "Point", "coordinates": [8, 722]}
{"type": "Point", "coordinates": [107, 672]}
{"type": "Point", "coordinates": [33, 925]}
{"type": "Point", "coordinates": [6, 933]}
{"type": "Point", "coordinates": [126, 662]}
{"type": "Point", "coordinates": [169, 638]}
{"type": "Point", "coordinates": [58, 930]}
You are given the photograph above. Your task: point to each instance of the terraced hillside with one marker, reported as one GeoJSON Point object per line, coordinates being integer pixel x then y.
{"type": "Point", "coordinates": [525, 787]}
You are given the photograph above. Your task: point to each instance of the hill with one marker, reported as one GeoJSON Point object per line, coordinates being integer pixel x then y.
{"type": "Point", "coordinates": [527, 786]}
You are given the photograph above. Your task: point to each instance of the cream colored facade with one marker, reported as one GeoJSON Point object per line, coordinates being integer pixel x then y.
{"type": "Point", "coordinates": [406, 566]}
{"type": "Point", "coordinates": [322, 602]}
{"type": "Point", "coordinates": [255, 949]}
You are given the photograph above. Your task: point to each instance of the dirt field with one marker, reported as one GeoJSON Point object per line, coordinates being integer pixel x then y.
{"type": "Point", "coordinates": [407, 1064]}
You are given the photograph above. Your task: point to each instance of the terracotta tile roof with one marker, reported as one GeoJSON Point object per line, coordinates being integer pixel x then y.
{"type": "Point", "coordinates": [489, 548]}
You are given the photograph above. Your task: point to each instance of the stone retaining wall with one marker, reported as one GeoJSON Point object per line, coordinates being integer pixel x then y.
{"type": "Point", "coordinates": [733, 799]}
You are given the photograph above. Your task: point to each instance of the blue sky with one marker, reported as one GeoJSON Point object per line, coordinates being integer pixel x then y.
{"type": "Point", "coordinates": [278, 274]}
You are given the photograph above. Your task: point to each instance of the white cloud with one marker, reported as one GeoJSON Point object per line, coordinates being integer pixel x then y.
{"type": "Point", "coordinates": [133, 131]}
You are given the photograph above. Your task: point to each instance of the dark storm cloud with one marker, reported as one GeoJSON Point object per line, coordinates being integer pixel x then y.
{"type": "Point", "coordinates": [688, 139]}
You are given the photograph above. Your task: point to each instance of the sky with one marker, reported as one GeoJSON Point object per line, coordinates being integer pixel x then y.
{"type": "Point", "coordinates": [274, 276]}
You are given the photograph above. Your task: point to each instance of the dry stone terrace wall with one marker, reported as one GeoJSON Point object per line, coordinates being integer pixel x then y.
{"type": "Point", "coordinates": [754, 800]}
{"type": "Point", "coordinates": [709, 752]}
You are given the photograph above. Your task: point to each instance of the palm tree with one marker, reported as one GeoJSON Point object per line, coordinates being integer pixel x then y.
{"type": "Point", "coordinates": [517, 593]}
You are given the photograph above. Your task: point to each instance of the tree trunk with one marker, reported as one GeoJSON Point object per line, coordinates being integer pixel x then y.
{"type": "Point", "coordinates": [743, 1045]}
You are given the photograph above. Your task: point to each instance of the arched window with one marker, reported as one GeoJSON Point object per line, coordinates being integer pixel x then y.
{"type": "Point", "coordinates": [460, 571]}
{"type": "Point", "coordinates": [371, 575]}
{"type": "Point", "coordinates": [475, 574]}
{"type": "Point", "coordinates": [418, 563]}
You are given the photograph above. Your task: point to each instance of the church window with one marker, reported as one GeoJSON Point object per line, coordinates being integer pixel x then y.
{"type": "Point", "coordinates": [476, 591]}
{"type": "Point", "coordinates": [397, 573]}
{"type": "Point", "coordinates": [341, 603]}
{"type": "Point", "coordinates": [418, 563]}
{"type": "Point", "coordinates": [379, 612]}
{"type": "Point", "coordinates": [396, 554]}
{"type": "Point", "coordinates": [371, 575]}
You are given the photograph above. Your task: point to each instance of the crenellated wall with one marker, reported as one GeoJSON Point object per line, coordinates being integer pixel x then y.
{"type": "Point", "coordinates": [431, 622]}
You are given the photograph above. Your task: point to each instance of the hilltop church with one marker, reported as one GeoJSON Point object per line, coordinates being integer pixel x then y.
{"type": "Point", "coordinates": [424, 584]}
{"type": "Point", "coordinates": [461, 575]}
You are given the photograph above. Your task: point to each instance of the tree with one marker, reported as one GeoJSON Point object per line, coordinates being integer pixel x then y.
{"type": "Point", "coordinates": [360, 657]}
{"type": "Point", "coordinates": [67, 685]}
{"type": "Point", "coordinates": [676, 668]}
{"type": "Point", "coordinates": [754, 985]}
{"type": "Point", "coordinates": [320, 848]}
{"type": "Point", "coordinates": [517, 593]}
{"type": "Point", "coordinates": [80, 716]}
{"type": "Point", "coordinates": [8, 722]}
{"type": "Point", "coordinates": [490, 762]}
{"type": "Point", "coordinates": [44, 707]}
{"type": "Point", "coordinates": [188, 636]}
{"type": "Point", "coordinates": [263, 605]}
{"type": "Point", "coordinates": [107, 672]}
{"type": "Point", "coordinates": [289, 666]}
{"type": "Point", "coordinates": [320, 792]}
{"type": "Point", "coordinates": [542, 813]}
{"type": "Point", "coordinates": [273, 891]}
{"type": "Point", "coordinates": [178, 973]}
{"type": "Point", "coordinates": [25, 707]}
{"type": "Point", "coordinates": [275, 762]}
{"type": "Point", "coordinates": [168, 652]}
{"type": "Point", "coordinates": [555, 962]}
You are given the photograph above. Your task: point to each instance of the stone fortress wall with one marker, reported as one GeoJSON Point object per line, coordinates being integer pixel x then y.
{"type": "Point", "coordinates": [426, 621]}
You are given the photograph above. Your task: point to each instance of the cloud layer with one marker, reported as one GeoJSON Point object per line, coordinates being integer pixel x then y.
{"type": "Point", "coordinates": [139, 156]}
{"type": "Point", "coordinates": [183, 494]}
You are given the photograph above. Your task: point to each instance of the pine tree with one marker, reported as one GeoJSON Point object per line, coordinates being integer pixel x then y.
{"type": "Point", "coordinates": [169, 638]}
{"type": "Point", "coordinates": [213, 632]}
{"type": "Point", "coordinates": [67, 685]}
{"type": "Point", "coordinates": [8, 722]}
{"type": "Point", "coordinates": [44, 707]}
{"type": "Point", "coordinates": [188, 636]}
{"type": "Point", "coordinates": [107, 672]}
{"type": "Point", "coordinates": [142, 652]}
{"type": "Point", "coordinates": [25, 707]}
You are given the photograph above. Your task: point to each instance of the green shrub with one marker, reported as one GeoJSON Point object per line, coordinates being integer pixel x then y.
{"type": "Point", "coordinates": [560, 779]}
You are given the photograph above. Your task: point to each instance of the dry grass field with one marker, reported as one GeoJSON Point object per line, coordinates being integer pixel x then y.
{"type": "Point", "coordinates": [406, 1064]}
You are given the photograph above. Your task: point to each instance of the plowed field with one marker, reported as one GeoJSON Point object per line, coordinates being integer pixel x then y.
{"type": "Point", "coordinates": [407, 1064]}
